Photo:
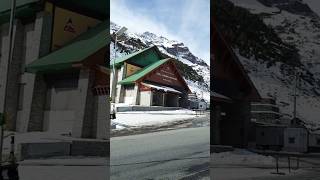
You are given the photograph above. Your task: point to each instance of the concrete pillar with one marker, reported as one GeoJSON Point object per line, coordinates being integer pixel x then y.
{"type": "Point", "coordinates": [113, 84]}
{"type": "Point", "coordinates": [164, 99]}
{"type": "Point", "coordinates": [10, 88]}
{"type": "Point", "coordinates": [215, 127]}
{"type": "Point", "coordinates": [151, 98]}
{"type": "Point", "coordinates": [120, 89]}
{"type": "Point", "coordinates": [83, 88]}
{"type": "Point", "coordinates": [103, 118]}
{"type": "Point", "coordinates": [135, 95]}
{"type": "Point", "coordinates": [4, 41]}
{"type": "Point", "coordinates": [37, 36]}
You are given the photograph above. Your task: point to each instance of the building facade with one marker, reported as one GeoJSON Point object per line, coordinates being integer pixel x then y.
{"type": "Point", "coordinates": [230, 120]}
{"type": "Point", "coordinates": [148, 78]}
{"type": "Point", "coordinates": [52, 86]}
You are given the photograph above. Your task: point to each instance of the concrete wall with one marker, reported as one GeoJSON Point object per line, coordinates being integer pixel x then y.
{"type": "Point", "coordinates": [67, 148]}
{"type": "Point", "coordinates": [13, 74]}
{"type": "Point", "coordinates": [269, 136]}
{"type": "Point", "coordinates": [30, 41]}
{"type": "Point", "coordinates": [300, 142]}
{"type": "Point", "coordinates": [234, 126]}
{"type": "Point", "coordinates": [28, 105]}
{"type": "Point", "coordinates": [44, 150]}
{"type": "Point", "coordinates": [145, 98]}
{"type": "Point", "coordinates": [102, 122]}
{"type": "Point", "coordinates": [119, 87]}
{"type": "Point", "coordinates": [34, 109]}
{"type": "Point", "coordinates": [60, 115]}
{"type": "Point", "coordinates": [82, 126]}
{"type": "Point", "coordinates": [90, 148]}
{"type": "Point", "coordinates": [128, 94]}
{"type": "Point", "coordinates": [314, 140]}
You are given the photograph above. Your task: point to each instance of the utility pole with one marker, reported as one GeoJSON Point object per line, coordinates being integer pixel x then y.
{"type": "Point", "coordinates": [10, 48]}
{"type": "Point", "coordinates": [295, 95]}
{"type": "Point", "coordinates": [114, 85]}
{"type": "Point", "coordinates": [296, 79]}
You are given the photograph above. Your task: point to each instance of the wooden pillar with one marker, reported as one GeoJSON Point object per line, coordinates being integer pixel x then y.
{"type": "Point", "coordinates": [216, 125]}
{"type": "Point", "coordinates": [163, 99]}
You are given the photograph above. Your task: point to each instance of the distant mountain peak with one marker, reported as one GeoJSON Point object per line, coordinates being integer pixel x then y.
{"type": "Point", "coordinates": [195, 70]}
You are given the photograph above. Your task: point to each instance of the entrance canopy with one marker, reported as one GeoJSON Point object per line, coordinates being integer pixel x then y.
{"type": "Point", "coordinates": [162, 88]}
{"type": "Point", "coordinates": [143, 72]}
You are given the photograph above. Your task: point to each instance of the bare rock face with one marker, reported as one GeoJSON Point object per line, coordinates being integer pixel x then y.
{"type": "Point", "coordinates": [292, 6]}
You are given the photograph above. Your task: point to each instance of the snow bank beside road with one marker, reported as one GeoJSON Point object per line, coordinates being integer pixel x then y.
{"type": "Point", "coordinates": [241, 156]}
{"type": "Point", "coordinates": [147, 118]}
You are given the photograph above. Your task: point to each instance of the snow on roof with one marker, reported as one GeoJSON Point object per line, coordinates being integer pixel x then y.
{"type": "Point", "coordinates": [164, 88]}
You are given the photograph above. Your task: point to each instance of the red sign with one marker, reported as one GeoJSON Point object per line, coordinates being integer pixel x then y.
{"type": "Point", "coordinates": [69, 27]}
{"type": "Point", "coordinates": [166, 75]}
{"type": "Point", "coordinates": [144, 88]}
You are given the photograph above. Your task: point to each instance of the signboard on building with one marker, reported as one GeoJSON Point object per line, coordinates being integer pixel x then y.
{"type": "Point", "coordinates": [166, 75]}
{"type": "Point", "coordinates": [144, 88]}
{"type": "Point", "coordinates": [131, 69]}
{"type": "Point", "coordinates": [68, 25]}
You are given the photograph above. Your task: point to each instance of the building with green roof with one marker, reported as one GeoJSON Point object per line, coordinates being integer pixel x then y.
{"type": "Point", "coordinates": [148, 78]}
{"type": "Point", "coordinates": [59, 67]}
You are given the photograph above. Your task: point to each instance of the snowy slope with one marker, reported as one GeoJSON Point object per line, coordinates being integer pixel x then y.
{"type": "Point", "coordinates": [132, 42]}
{"type": "Point", "coordinates": [303, 31]}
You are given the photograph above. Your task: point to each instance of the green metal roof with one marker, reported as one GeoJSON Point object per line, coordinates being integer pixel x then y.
{"type": "Point", "coordinates": [24, 9]}
{"type": "Point", "coordinates": [142, 58]}
{"type": "Point", "coordinates": [141, 73]}
{"type": "Point", "coordinates": [78, 50]}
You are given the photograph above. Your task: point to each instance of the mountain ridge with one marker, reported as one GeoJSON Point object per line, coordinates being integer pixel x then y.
{"type": "Point", "coordinates": [195, 70]}
{"type": "Point", "coordinates": [286, 40]}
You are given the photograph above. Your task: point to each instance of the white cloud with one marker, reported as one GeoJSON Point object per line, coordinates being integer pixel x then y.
{"type": "Point", "coordinates": [193, 30]}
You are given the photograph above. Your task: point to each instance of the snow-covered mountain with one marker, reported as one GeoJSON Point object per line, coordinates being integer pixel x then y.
{"type": "Point", "coordinates": [195, 70]}
{"type": "Point", "coordinates": [290, 37]}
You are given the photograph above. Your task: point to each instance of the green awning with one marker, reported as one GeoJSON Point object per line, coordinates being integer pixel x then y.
{"type": "Point", "coordinates": [78, 50]}
{"type": "Point", "coordinates": [141, 73]}
{"type": "Point", "coordinates": [142, 57]}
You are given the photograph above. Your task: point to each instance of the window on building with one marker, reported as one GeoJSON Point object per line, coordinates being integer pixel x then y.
{"type": "Point", "coordinates": [318, 141]}
{"type": "Point", "coordinates": [292, 140]}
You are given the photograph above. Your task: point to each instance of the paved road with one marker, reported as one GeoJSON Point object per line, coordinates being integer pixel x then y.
{"type": "Point", "coordinates": [309, 170]}
{"type": "Point", "coordinates": [171, 154]}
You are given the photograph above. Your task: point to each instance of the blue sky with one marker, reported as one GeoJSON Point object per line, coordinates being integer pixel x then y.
{"type": "Point", "coordinates": [187, 21]}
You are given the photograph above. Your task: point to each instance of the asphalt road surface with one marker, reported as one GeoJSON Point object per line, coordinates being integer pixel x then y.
{"type": "Point", "coordinates": [175, 154]}
{"type": "Point", "coordinates": [309, 170]}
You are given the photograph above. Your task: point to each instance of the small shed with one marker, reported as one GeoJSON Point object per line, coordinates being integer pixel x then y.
{"type": "Point", "coordinates": [314, 141]}
{"type": "Point", "coordinates": [296, 139]}
{"type": "Point", "coordinates": [202, 104]}
{"type": "Point", "coordinates": [269, 136]}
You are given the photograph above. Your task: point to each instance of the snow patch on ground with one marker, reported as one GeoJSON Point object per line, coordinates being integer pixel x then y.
{"type": "Point", "coordinates": [147, 118]}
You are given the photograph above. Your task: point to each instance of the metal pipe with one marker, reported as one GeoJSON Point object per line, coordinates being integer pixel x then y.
{"type": "Point", "coordinates": [289, 165]}
{"type": "Point", "coordinates": [295, 97]}
{"type": "Point", "coordinates": [11, 35]}
{"type": "Point", "coordinates": [114, 70]}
